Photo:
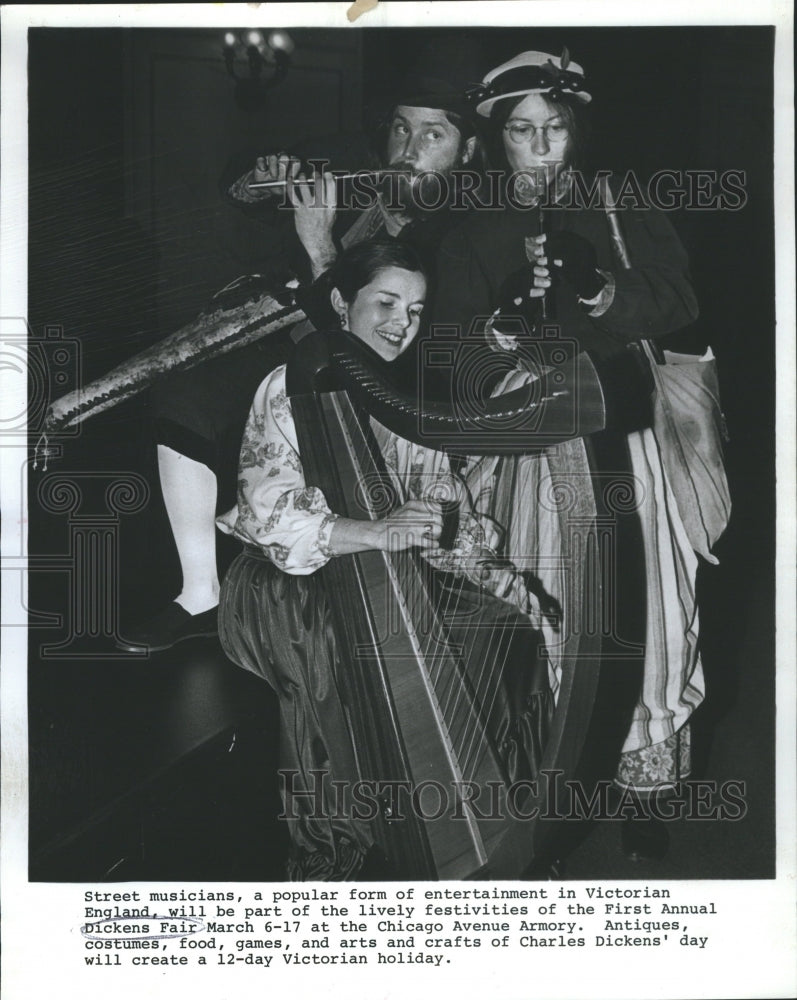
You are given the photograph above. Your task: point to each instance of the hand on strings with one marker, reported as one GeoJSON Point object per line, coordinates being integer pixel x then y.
{"type": "Point", "coordinates": [575, 259]}
{"type": "Point", "coordinates": [416, 524]}
{"type": "Point", "coordinates": [315, 207]}
{"type": "Point", "coordinates": [274, 168]}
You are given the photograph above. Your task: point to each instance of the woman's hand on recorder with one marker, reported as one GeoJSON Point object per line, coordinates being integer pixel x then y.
{"type": "Point", "coordinates": [520, 300]}
{"type": "Point", "coordinates": [539, 273]}
{"type": "Point", "coordinates": [576, 260]}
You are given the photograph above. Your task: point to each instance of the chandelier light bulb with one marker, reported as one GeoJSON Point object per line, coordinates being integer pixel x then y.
{"type": "Point", "coordinates": [281, 41]}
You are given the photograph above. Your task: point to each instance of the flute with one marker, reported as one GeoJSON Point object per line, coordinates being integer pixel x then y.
{"type": "Point", "coordinates": [378, 174]}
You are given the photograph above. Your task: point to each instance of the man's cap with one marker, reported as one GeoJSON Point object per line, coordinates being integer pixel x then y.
{"type": "Point", "coordinates": [531, 73]}
{"type": "Point", "coordinates": [422, 91]}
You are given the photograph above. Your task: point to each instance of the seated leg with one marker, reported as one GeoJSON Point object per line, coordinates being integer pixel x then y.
{"type": "Point", "coordinates": [199, 417]}
{"type": "Point", "coordinates": [189, 493]}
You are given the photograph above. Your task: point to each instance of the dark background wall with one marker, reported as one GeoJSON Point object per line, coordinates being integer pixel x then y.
{"type": "Point", "coordinates": [130, 132]}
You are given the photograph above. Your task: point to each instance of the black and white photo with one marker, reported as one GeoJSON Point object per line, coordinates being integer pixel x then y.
{"type": "Point", "coordinates": [396, 501]}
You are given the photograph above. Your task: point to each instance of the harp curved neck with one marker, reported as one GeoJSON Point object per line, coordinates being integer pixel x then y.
{"type": "Point", "coordinates": [576, 397]}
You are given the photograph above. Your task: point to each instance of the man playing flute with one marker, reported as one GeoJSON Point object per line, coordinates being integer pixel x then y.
{"type": "Point", "coordinates": [200, 414]}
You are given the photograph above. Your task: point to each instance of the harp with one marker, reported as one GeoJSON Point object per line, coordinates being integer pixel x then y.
{"type": "Point", "coordinates": [412, 721]}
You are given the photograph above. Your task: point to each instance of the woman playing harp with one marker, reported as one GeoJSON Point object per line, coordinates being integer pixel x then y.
{"type": "Point", "coordinates": [275, 607]}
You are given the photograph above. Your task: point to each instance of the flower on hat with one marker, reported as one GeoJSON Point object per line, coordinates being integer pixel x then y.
{"type": "Point", "coordinates": [530, 73]}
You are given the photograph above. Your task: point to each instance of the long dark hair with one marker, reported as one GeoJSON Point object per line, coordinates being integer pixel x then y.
{"type": "Point", "coordinates": [570, 109]}
{"type": "Point", "coordinates": [358, 265]}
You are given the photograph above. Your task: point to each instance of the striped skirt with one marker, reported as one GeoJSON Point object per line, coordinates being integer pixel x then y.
{"type": "Point", "coordinates": [524, 496]}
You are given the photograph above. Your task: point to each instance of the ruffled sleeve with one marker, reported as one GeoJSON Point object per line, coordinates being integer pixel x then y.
{"type": "Point", "coordinates": [276, 509]}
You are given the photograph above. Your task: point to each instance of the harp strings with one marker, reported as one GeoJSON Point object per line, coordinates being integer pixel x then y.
{"type": "Point", "coordinates": [466, 695]}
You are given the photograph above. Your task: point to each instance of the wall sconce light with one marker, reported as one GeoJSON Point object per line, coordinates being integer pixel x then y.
{"type": "Point", "coordinates": [257, 62]}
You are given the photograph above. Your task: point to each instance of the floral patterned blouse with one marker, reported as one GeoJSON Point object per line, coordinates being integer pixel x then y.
{"type": "Point", "coordinates": [292, 523]}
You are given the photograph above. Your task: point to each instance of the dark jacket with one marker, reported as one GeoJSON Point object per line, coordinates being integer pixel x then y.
{"type": "Point", "coordinates": [653, 298]}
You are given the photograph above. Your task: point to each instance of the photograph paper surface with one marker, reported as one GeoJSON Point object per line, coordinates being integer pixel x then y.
{"type": "Point", "coordinates": [398, 500]}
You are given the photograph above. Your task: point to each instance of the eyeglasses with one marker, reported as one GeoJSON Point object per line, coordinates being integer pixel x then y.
{"type": "Point", "coordinates": [523, 132]}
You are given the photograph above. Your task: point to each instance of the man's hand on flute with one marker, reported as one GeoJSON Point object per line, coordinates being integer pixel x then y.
{"type": "Point", "coordinates": [272, 170]}
{"type": "Point", "coordinates": [314, 216]}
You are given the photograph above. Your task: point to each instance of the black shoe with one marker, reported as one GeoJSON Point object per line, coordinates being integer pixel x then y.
{"type": "Point", "coordinates": [645, 839]}
{"type": "Point", "coordinates": [172, 625]}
